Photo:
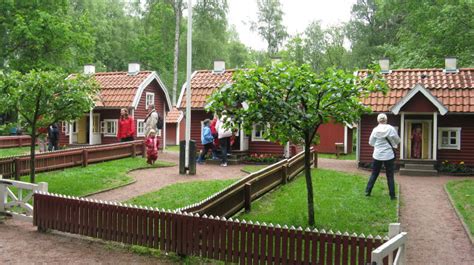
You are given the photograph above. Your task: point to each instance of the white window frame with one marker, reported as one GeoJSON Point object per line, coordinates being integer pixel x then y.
{"type": "Point", "coordinates": [152, 99]}
{"type": "Point", "coordinates": [142, 132]}
{"type": "Point", "coordinates": [104, 127]}
{"type": "Point", "coordinates": [65, 127]}
{"type": "Point", "coordinates": [456, 146]}
{"type": "Point", "coordinates": [260, 138]}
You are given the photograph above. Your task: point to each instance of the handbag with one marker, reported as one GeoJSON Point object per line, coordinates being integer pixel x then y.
{"type": "Point", "coordinates": [393, 149]}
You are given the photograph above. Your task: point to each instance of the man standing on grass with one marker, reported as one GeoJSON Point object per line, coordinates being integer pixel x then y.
{"type": "Point", "coordinates": [384, 139]}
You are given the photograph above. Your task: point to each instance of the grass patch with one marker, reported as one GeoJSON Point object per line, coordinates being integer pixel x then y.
{"type": "Point", "coordinates": [181, 194]}
{"type": "Point", "coordinates": [79, 181]}
{"type": "Point", "coordinates": [15, 151]}
{"type": "Point", "coordinates": [339, 203]}
{"type": "Point", "coordinates": [351, 156]}
{"type": "Point", "coordinates": [462, 193]}
{"type": "Point", "coordinates": [172, 148]}
{"type": "Point", "coordinates": [252, 168]}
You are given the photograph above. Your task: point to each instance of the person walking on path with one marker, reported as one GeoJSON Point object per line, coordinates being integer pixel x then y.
{"type": "Point", "coordinates": [53, 137]}
{"type": "Point", "coordinates": [224, 135]}
{"type": "Point", "coordinates": [152, 144]}
{"type": "Point", "coordinates": [384, 138]}
{"type": "Point", "coordinates": [207, 142]}
{"type": "Point", "coordinates": [151, 119]}
{"type": "Point", "coordinates": [126, 127]}
{"type": "Point", "coordinates": [214, 131]}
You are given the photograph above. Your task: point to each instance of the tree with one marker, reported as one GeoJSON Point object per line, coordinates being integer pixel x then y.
{"type": "Point", "coordinates": [178, 7]}
{"type": "Point", "coordinates": [270, 24]}
{"type": "Point", "coordinates": [294, 101]}
{"type": "Point", "coordinates": [45, 98]}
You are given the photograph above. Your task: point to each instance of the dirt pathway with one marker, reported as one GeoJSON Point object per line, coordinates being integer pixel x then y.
{"type": "Point", "coordinates": [149, 180]}
{"type": "Point", "coordinates": [435, 234]}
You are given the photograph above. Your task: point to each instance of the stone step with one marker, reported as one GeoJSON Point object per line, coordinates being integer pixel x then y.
{"type": "Point", "coordinates": [419, 166]}
{"type": "Point", "coordinates": [418, 161]}
{"type": "Point", "coordinates": [418, 172]}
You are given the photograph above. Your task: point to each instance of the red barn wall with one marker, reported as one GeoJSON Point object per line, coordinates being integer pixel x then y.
{"type": "Point", "coordinates": [265, 147]}
{"type": "Point", "coordinates": [466, 153]}
{"type": "Point", "coordinates": [419, 103]}
{"type": "Point", "coordinates": [329, 135]}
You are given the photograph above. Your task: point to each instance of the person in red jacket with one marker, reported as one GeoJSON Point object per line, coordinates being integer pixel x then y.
{"type": "Point", "coordinates": [152, 144]}
{"type": "Point", "coordinates": [126, 127]}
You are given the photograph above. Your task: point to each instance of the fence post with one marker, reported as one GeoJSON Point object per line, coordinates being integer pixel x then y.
{"type": "Point", "coordinates": [284, 174]}
{"type": "Point", "coordinates": [393, 230]}
{"type": "Point", "coordinates": [143, 149]}
{"type": "Point", "coordinates": [3, 196]}
{"type": "Point", "coordinates": [134, 152]}
{"type": "Point", "coordinates": [43, 186]}
{"type": "Point", "coordinates": [19, 142]}
{"type": "Point", "coordinates": [247, 196]}
{"type": "Point", "coordinates": [315, 159]}
{"type": "Point", "coordinates": [17, 169]}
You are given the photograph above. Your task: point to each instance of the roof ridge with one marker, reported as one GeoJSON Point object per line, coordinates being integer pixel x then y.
{"type": "Point", "coordinates": [211, 71]}
{"type": "Point", "coordinates": [420, 69]}
{"type": "Point", "coordinates": [122, 72]}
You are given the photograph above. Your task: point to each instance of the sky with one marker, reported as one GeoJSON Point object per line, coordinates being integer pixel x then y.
{"type": "Point", "coordinates": [297, 16]}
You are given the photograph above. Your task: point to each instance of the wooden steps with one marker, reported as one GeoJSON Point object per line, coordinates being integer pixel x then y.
{"type": "Point", "coordinates": [417, 167]}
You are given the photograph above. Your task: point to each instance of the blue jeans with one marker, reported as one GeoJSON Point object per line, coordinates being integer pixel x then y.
{"type": "Point", "coordinates": [389, 170]}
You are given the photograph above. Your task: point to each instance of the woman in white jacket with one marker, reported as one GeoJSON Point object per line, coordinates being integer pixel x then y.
{"type": "Point", "coordinates": [224, 135]}
{"type": "Point", "coordinates": [384, 139]}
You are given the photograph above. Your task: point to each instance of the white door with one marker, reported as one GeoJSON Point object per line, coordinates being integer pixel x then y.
{"type": "Point", "coordinates": [244, 141]}
{"type": "Point", "coordinates": [96, 136]}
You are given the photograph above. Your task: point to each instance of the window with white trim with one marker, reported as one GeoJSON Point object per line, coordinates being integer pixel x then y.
{"type": "Point", "coordinates": [109, 127]}
{"type": "Point", "coordinates": [65, 127]}
{"type": "Point", "coordinates": [140, 128]}
{"type": "Point", "coordinates": [258, 132]}
{"type": "Point", "coordinates": [449, 138]}
{"type": "Point", "coordinates": [149, 99]}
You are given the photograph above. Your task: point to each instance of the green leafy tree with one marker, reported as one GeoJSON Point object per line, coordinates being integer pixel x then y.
{"type": "Point", "coordinates": [270, 24]}
{"type": "Point", "coordinates": [42, 98]}
{"type": "Point", "coordinates": [294, 101]}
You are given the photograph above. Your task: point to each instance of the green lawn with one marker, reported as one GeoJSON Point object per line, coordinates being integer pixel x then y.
{"type": "Point", "coordinates": [253, 168]}
{"type": "Point", "coordinates": [462, 193]}
{"type": "Point", "coordinates": [80, 181]}
{"type": "Point", "coordinates": [340, 204]}
{"type": "Point", "coordinates": [25, 150]}
{"type": "Point", "coordinates": [351, 156]}
{"type": "Point", "coordinates": [181, 194]}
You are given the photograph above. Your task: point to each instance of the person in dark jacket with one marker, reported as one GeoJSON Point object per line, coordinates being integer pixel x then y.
{"type": "Point", "coordinates": [53, 137]}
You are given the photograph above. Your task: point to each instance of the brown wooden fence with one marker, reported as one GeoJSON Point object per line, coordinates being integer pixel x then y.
{"type": "Point", "coordinates": [208, 237]}
{"type": "Point", "coordinates": [14, 167]}
{"type": "Point", "coordinates": [239, 195]}
{"type": "Point", "coordinates": [14, 141]}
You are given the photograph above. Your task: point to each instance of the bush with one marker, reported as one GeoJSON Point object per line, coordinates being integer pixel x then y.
{"type": "Point", "coordinates": [6, 128]}
{"type": "Point", "coordinates": [262, 158]}
{"type": "Point", "coordinates": [454, 167]}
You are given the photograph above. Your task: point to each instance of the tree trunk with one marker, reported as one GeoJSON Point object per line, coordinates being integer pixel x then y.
{"type": "Point", "coordinates": [32, 155]}
{"type": "Point", "coordinates": [178, 13]}
{"type": "Point", "coordinates": [309, 181]}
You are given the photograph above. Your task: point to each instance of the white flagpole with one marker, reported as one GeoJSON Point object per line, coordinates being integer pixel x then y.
{"type": "Point", "coordinates": [188, 81]}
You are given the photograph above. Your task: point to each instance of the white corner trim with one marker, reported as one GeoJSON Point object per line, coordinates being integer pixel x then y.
{"type": "Point", "coordinates": [346, 140]}
{"type": "Point", "coordinates": [419, 88]}
{"type": "Point", "coordinates": [183, 88]}
{"type": "Point", "coordinates": [153, 76]}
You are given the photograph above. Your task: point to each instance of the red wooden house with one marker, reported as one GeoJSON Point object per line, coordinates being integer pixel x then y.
{"type": "Point", "coordinates": [438, 103]}
{"type": "Point", "coordinates": [175, 127]}
{"type": "Point", "coordinates": [133, 90]}
{"type": "Point", "coordinates": [205, 82]}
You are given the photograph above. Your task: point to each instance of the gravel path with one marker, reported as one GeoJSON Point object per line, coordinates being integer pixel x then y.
{"type": "Point", "coordinates": [435, 233]}
{"type": "Point", "coordinates": [149, 180]}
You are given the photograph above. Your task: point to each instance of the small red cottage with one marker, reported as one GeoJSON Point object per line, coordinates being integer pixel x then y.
{"type": "Point", "coordinates": [175, 127]}
{"type": "Point", "coordinates": [432, 109]}
{"type": "Point", "coordinates": [133, 90]}
{"type": "Point", "coordinates": [205, 82]}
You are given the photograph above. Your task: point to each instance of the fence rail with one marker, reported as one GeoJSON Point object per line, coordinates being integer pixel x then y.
{"type": "Point", "coordinates": [239, 195]}
{"type": "Point", "coordinates": [14, 141]}
{"type": "Point", "coordinates": [14, 167]}
{"type": "Point", "coordinates": [208, 237]}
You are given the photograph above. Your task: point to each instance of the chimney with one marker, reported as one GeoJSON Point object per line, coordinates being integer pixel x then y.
{"type": "Point", "coordinates": [219, 66]}
{"type": "Point", "coordinates": [89, 69]}
{"type": "Point", "coordinates": [133, 68]}
{"type": "Point", "coordinates": [450, 65]}
{"type": "Point", "coordinates": [384, 66]}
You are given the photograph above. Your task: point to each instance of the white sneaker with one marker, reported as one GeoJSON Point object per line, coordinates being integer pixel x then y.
{"type": "Point", "coordinates": [223, 164]}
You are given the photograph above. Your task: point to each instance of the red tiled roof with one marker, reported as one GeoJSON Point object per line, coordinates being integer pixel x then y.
{"type": "Point", "coordinates": [174, 116]}
{"type": "Point", "coordinates": [203, 84]}
{"type": "Point", "coordinates": [118, 89]}
{"type": "Point", "coordinates": [454, 90]}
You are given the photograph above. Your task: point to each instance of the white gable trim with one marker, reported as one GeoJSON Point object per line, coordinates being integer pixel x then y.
{"type": "Point", "coordinates": [145, 83]}
{"type": "Point", "coordinates": [419, 88]}
{"type": "Point", "coordinates": [183, 88]}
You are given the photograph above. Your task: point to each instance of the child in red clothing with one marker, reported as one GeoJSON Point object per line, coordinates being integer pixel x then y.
{"type": "Point", "coordinates": [152, 143]}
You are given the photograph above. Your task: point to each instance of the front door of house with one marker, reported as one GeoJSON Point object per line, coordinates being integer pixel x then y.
{"type": "Point", "coordinates": [96, 136]}
{"type": "Point", "coordinates": [82, 131]}
{"type": "Point", "coordinates": [244, 141]}
{"type": "Point", "coordinates": [418, 138]}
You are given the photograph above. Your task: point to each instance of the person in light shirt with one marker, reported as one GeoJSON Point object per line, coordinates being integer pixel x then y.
{"type": "Point", "coordinates": [384, 138]}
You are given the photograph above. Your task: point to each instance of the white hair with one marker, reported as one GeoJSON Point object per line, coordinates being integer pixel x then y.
{"type": "Point", "coordinates": [382, 118]}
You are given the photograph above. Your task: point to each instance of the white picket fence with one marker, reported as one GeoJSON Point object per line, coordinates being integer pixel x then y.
{"type": "Point", "coordinates": [397, 241]}
{"type": "Point", "coordinates": [15, 201]}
